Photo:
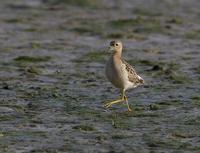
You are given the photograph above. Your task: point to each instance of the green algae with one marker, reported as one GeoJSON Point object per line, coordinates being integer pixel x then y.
{"type": "Point", "coordinates": [180, 135]}
{"type": "Point", "coordinates": [91, 30]}
{"type": "Point", "coordinates": [80, 74]}
{"type": "Point", "coordinates": [17, 108]}
{"type": "Point", "coordinates": [197, 69]}
{"type": "Point", "coordinates": [35, 45]}
{"type": "Point", "coordinates": [4, 147]}
{"type": "Point", "coordinates": [85, 112]}
{"type": "Point", "coordinates": [25, 133]}
{"type": "Point", "coordinates": [84, 128]}
{"type": "Point", "coordinates": [6, 118]}
{"type": "Point", "coordinates": [97, 56]}
{"type": "Point", "coordinates": [169, 70]}
{"type": "Point", "coordinates": [87, 30]}
{"type": "Point", "coordinates": [193, 34]}
{"type": "Point", "coordinates": [30, 30]}
{"type": "Point", "coordinates": [101, 138]}
{"type": "Point", "coordinates": [175, 20]}
{"type": "Point", "coordinates": [193, 121]}
{"type": "Point", "coordinates": [179, 78]}
{"type": "Point", "coordinates": [196, 100]}
{"type": "Point", "coordinates": [166, 103]}
{"type": "Point", "coordinates": [154, 107]}
{"type": "Point", "coordinates": [127, 22]}
{"type": "Point", "coordinates": [32, 59]}
{"type": "Point", "coordinates": [28, 60]}
{"type": "Point", "coordinates": [6, 49]}
{"type": "Point", "coordinates": [145, 12]}
{"type": "Point", "coordinates": [139, 25]}
{"type": "Point", "coordinates": [1, 134]}
{"type": "Point", "coordinates": [118, 35]}
{"type": "Point", "coordinates": [80, 3]}
{"type": "Point", "coordinates": [147, 114]}
{"type": "Point", "coordinates": [15, 20]}
{"type": "Point", "coordinates": [158, 142]}
{"type": "Point", "coordinates": [33, 70]}
{"type": "Point", "coordinates": [119, 136]}
{"type": "Point", "coordinates": [120, 123]}
{"type": "Point", "coordinates": [196, 148]}
{"type": "Point", "coordinates": [115, 35]}
{"type": "Point", "coordinates": [83, 30]}
{"type": "Point", "coordinates": [146, 62]}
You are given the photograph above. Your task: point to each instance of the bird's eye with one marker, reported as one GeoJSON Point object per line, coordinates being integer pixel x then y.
{"type": "Point", "coordinates": [116, 45]}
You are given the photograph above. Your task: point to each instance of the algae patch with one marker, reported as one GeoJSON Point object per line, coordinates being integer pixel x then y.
{"type": "Point", "coordinates": [25, 133]}
{"type": "Point", "coordinates": [83, 128]}
{"type": "Point", "coordinates": [139, 24]}
{"type": "Point", "coordinates": [33, 70]}
{"type": "Point", "coordinates": [169, 71]}
{"type": "Point", "coordinates": [196, 100]}
{"type": "Point", "coordinates": [197, 69]}
{"type": "Point", "coordinates": [98, 56]}
{"type": "Point", "coordinates": [164, 104]}
{"type": "Point", "coordinates": [6, 118]}
{"type": "Point", "coordinates": [145, 12]}
{"type": "Point", "coordinates": [91, 30]}
{"type": "Point", "coordinates": [128, 35]}
{"type": "Point", "coordinates": [15, 20]}
{"type": "Point", "coordinates": [32, 59]}
{"type": "Point", "coordinates": [193, 34]}
{"type": "Point", "coordinates": [80, 3]}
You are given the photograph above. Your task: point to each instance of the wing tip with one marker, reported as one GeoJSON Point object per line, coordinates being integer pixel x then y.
{"type": "Point", "coordinates": [141, 80]}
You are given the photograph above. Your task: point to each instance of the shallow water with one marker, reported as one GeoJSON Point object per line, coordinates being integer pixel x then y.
{"type": "Point", "coordinates": [53, 85]}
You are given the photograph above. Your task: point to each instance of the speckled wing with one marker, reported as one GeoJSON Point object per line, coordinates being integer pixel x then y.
{"type": "Point", "coordinates": [132, 75]}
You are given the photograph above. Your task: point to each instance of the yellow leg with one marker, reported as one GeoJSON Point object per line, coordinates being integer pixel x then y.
{"type": "Point", "coordinates": [126, 99]}
{"type": "Point", "coordinates": [116, 101]}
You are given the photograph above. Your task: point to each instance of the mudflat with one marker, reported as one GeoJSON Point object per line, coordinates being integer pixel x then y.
{"type": "Point", "coordinates": [53, 86]}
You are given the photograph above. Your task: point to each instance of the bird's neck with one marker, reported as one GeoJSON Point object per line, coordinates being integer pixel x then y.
{"type": "Point", "coordinates": [117, 54]}
{"type": "Point", "coordinates": [116, 58]}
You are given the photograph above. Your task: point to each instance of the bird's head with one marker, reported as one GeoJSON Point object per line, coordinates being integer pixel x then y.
{"type": "Point", "coordinates": [115, 46]}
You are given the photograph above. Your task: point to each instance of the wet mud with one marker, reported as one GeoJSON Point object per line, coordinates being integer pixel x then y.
{"type": "Point", "coordinates": [53, 87]}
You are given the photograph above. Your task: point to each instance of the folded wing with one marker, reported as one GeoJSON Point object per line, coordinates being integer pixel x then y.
{"type": "Point", "coordinates": [132, 75]}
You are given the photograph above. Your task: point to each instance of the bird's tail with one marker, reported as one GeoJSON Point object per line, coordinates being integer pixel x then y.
{"type": "Point", "coordinates": [141, 80]}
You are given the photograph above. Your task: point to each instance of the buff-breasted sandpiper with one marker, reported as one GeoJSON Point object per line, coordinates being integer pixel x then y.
{"type": "Point", "coordinates": [121, 74]}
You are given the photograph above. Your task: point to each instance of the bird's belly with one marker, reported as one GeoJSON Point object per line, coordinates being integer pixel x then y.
{"type": "Point", "coordinates": [129, 85]}
{"type": "Point", "coordinates": [114, 77]}
{"type": "Point", "coordinates": [116, 82]}
{"type": "Point", "coordinates": [119, 78]}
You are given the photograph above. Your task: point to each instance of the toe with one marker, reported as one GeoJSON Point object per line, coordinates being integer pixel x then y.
{"type": "Point", "coordinates": [130, 110]}
{"type": "Point", "coordinates": [107, 105]}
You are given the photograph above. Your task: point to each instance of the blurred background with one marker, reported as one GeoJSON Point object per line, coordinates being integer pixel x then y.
{"type": "Point", "coordinates": [53, 87]}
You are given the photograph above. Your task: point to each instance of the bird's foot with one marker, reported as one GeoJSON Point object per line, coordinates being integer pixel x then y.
{"type": "Point", "coordinates": [107, 105]}
{"type": "Point", "coordinates": [130, 110]}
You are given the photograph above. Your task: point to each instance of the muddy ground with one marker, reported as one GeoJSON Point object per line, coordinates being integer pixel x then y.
{"type": "Point", "coordinates": [53, 87]}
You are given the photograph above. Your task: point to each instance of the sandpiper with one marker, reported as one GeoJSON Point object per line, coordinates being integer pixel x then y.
{"type": "Point", "coordinates": [121, 74]}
